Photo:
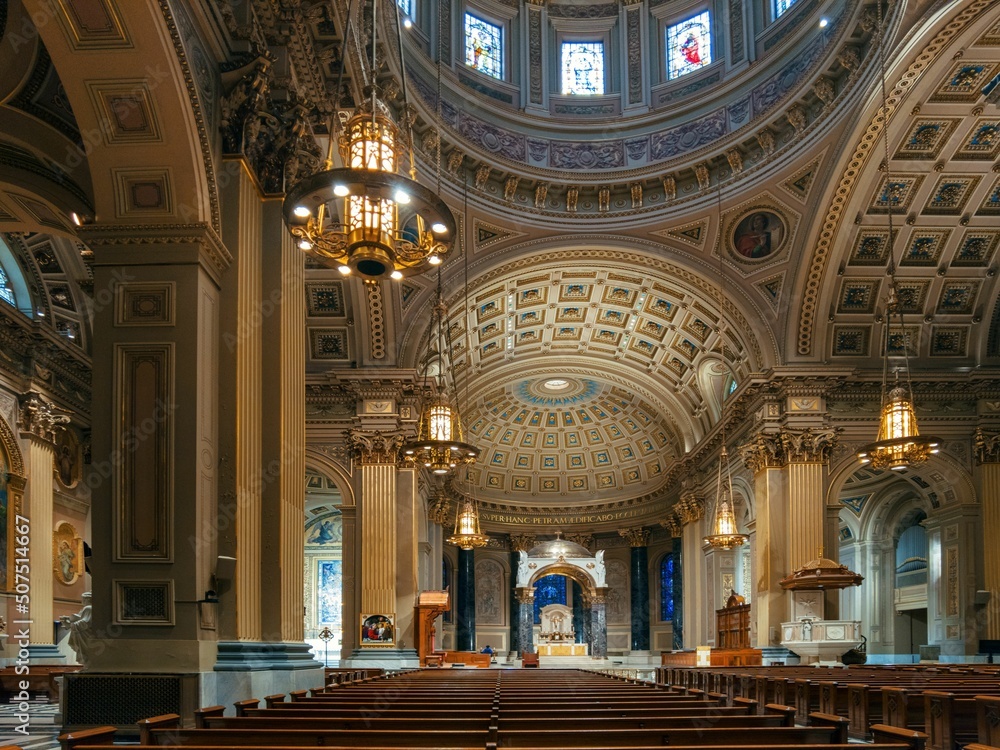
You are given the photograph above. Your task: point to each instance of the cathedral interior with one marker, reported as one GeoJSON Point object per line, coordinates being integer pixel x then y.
{"type": "Point", "coordinates": [690, 247]}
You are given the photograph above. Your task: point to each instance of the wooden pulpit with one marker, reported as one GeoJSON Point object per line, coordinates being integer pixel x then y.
{"type": "Point", "coordinates": [430, 605]}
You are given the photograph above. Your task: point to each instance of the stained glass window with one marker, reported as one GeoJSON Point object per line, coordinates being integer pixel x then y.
{"type": "Point", "coordinates": [483, 46]}
{"type": "Point", "coordinates": [732, 388]}
{"type": "Point", "coordinates": [407, 6]}
{"type": "Point", "coordinates": [689, 45]}
{"type": "Point", "coordinates": [780, 6]}
{"type": "Point", "coordinates": [549, 590]}
{"type": "Point", "coordinates": [583, 67]}
{"type": "Point", "coordinates": [6, 290]}
{"type": "Point", "coordinates": [667, 588]}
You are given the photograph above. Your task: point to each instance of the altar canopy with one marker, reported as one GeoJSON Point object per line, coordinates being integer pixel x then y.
{"type": "Point", "coordinates": [557, 635]}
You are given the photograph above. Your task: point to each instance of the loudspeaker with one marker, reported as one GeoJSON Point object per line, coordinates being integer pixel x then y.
{"type": "Point", "coordinates": [225, 569]}
{"type": "Point", "coordinates": [982, 597]}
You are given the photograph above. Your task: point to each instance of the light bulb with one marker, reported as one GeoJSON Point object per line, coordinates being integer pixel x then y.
{"type": "Point", "coordinates": [396, 275]}
{"type": "Point", "coordinates": [438, 228]}
{"type": "Point", "coordinates": [344, 270]}
{"type": "Point", "coordinates": [434, 260]}
{"type": "Point", "coordinates": [301, 211]}
{"type": "Point", "coordinates": [401, 197]}
{"type": "Point", "coordinates": [341, 190]}
{"type": "Point", "coordinates": [305, 244]}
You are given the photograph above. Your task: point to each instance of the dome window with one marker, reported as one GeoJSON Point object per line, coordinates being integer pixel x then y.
{"type": "Point", "coordinates": [689, 45]}
{"type": "Point", "coordinates": [583, 68]}
{"type": "Point", "coordinates": [484, 46]}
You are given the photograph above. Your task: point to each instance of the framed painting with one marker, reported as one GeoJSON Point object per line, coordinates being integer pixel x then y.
{"type": "Point", "coordinates": [378, 631]}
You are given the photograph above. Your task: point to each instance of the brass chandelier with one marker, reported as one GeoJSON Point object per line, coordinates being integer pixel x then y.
{"type": "Point", "coordinates": [365, 217]}
{"type": "Point", "coordinates": [440, 443]}
{"type": "Point", "coordinates": [467, 534]}
{"type": "Point", "coordinates": [724, 534]}
{"type": "Point", "coordinates": [899, 444]}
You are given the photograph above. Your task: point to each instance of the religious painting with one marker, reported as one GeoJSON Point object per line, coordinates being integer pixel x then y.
{"type": "Point", "coordinates": [68, 459]}
{"type": "Point", "coordinates": [758, 235]}
{"type": "Point", "coordinates": [325, 531]}
{"type": "Point", "coordinates": [378, 631]}
{"type": "Point", "coordinates": [67, 554]}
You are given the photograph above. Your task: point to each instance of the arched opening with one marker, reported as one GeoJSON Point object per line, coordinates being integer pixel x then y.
{"type": "Point", "coordinates": [324, 586]}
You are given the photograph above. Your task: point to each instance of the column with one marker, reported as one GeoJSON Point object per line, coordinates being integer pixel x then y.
{"type": "Point", "coordinates": [689, 512]}
{"type": "Point", "coordinates": [598, 627]}
{"type": "Point", "coordinates": [765, 457]}
{"type": "Point", "coordinates": [156, 515]}
{"type": "Point", "coordinates": [526, 620]}
{"type": "Point", "coordinates": [39, 421]}
{"type": "Point", "coordinates": [240, 403]}
{"type": "Point", "coordinates": [807, 454]}
{"type": "Point", "coordinates": [987, 448]}
{"type": "Point", "coordinates": [518, 543]}
{"type": "Point", "coordinates": [375, 456]}
{"type": "Point", "coordinates": [578, 618]}
{"type": "Point", "coordinates": [678, 619]}
{"type": "Point", "coordinates": [465, 601]}
{"type": "Point", "coordinates": [638, 539]}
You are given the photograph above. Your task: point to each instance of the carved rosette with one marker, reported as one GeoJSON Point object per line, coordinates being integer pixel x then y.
{"type": "Point", "coordinates": [522, 542]}
{"type": "Point", "coordinates": [637, 536]}
{"type": "Point", "coordinates": [374, 447]}
{"type": "Point", "coordinates": [987, 447]}
{"type": "Point", "coordinates": [39, 419]}
{"type": "Point", "coordinates": [808, 446]}
{"type": "Point", "coordinates": [763, 452]}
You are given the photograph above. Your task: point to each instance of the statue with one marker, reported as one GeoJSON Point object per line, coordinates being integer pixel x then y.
{"type": "Point", "coordinates": [81, 637]}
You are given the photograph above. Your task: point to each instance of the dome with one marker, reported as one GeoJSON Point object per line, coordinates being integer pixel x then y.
{"type": "Point", "coordinates": [557, 548]}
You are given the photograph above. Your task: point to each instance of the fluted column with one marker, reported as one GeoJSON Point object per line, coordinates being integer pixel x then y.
{"type": "Point", "coordinates": [987, 446]}
{"type": "Point", "coordinates": [39, 423]}
{"type": "Point", "coordinates": [465, 601]}
{"type": "Point", "coordinates": [638, 539]}
{"type": "Point", "coordinates": [376, 453]}
{"type": "Point", "coordinates": [526, 619]}
{"type": "Point", "coordinates": [685, 520]}
{"type": "Point", "coordinates": [240, 403]}
{"type": "Point", "coordinates": [765, 457]}
{"type": "Point", "coordinates": [807, 453]}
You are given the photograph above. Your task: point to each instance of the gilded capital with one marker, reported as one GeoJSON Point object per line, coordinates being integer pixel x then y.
{"type": "Point", "coordinates": [987, 447]}
{"type": "Point", "coordinates": [584, 540]}
{"type": "Point", "coordinates": [439, 510]}
{"type": "Point", "coordinates": [39, 419]}
{"type": "Point", "coordinates": [374, 447]}
{"type": "Point", "coordinates": [809, 446]}
{"type": "Point", "coordinates": [525, 595]}
{"type": "Point", "coordinates": [763, 452]}
{"type": "Point", "coordinates": [690, 508]}
{"type": "Point", "coordinates": [522, 542]}
{"type": "Point", "coordinates": [637, 536]}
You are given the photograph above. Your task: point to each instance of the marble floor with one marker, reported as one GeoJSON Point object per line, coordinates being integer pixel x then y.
{"type": "Point", "coordinates": [42, 729]}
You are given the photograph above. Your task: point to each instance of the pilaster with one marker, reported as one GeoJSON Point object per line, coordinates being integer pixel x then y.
{"type": "Point", "coordinates": [691, 510]}
{"type": "Point", "coordinates": [155, 438]}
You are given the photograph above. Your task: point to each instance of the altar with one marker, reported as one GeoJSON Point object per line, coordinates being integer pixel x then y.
{"type": "Point", "coordinates": [562, 649]}
{"type": "Point", "coordinates": [557, 636]}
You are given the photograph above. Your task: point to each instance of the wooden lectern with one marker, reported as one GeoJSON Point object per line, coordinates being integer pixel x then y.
{"type": "Point", "coordinates": [430, 604]}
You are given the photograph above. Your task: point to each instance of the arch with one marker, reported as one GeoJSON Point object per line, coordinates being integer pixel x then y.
{"type": "Point", "coordinates": [145, 39]}
{"type": "Point", "coordinates": [318, 461]}
{"type": "Point", "coordinates": [587, 581]}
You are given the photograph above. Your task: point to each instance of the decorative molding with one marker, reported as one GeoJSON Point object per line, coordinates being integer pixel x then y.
{"type": "Point", "coordinates": [808, 446]}
{"type": "Point", "coordinates": [987, 446]}
{"type": "Point", "coordinates": [374, 447]}
{"type": "Point", "coordinates": [637, 536]}
{"type": "Point", "coordinates": [522, 542]}
{"type": "Point", "coordinates": [145, 303]}
{"type": "Point", "coordinates": [765, 451]}
{"type": "Point", "coordinates": [39, 419]}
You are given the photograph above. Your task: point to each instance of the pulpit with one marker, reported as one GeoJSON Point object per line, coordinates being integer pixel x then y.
{"type": "Point", "coordinates": [430, 605]}
{"type": "Point", "coordinates": [732, 635]}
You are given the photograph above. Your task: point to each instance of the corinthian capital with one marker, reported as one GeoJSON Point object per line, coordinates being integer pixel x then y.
{"type": "Point", "coordinates": [522, 542]}
{"type": "Point", "coordinates": [763, 452]}
{"type": "Point", "coordinates": [690, 508]}
{"type": "Point", "coordinates": [987, 446]}
{"type": "Point", "coordinates": [40, 419]}
{"type": "Point", "coordinates": [438, 510]}
{"type": "Point", "coordinates": [809, 446]}
{"type": "Point", "coordinates": [637, 536]}
{"type": "Point", "coordinates": [374, 447]}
